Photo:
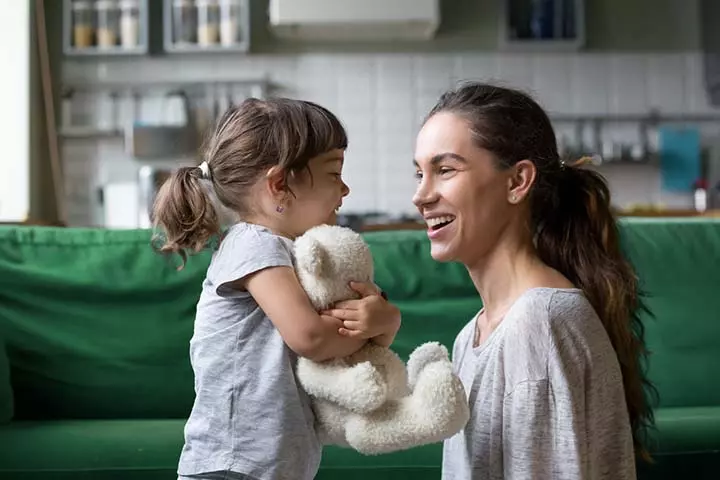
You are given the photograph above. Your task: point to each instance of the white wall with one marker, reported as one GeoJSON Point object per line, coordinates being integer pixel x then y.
{"type": "Point", "coordinates": [382, 98]}
{"type": "Point", "coordinates": [14, 112]}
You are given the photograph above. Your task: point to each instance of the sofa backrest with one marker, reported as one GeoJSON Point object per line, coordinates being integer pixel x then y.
{"type": "Point", "coordinates": [97, 324]}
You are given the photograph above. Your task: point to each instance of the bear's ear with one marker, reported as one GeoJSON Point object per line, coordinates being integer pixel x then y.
{"type": "Point", "coordinates": [311, 256]}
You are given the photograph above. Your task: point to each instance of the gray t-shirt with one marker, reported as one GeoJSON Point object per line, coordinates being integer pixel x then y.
{"type": "Point", "coordinates": [546, 395]}
{"type": "Point", "coordinates": [250, 414]}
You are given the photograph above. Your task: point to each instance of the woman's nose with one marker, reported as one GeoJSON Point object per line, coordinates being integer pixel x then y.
{"type": "Point", "coordinates": [424, 194]}
{"type": "Point", "coordinates": [345, 189]}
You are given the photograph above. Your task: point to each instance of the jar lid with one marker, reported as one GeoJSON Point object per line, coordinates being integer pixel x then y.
{"type": "Point", "coordinates": [83, 5]}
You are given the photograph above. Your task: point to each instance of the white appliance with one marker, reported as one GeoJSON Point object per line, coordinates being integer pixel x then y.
{"type": "Point", "coordinates": [354, 20]}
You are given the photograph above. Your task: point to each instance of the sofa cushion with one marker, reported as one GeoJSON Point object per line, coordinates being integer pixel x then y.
{"type": "Point", "coordinates": [6, 391]}
{"type": "Point", "coordinates": [149, 449]}
{"type": "Point", "coordinates": [99, 449]}
{"type": "Point", "coordinates": [686, 429]}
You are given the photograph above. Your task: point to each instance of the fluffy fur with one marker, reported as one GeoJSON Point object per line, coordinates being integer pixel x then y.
{"type": "Point", "coordinates": [371, 401]}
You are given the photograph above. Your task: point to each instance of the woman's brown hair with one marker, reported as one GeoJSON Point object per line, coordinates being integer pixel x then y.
{"type": "Point", "coordinates": [248, 140]}
{"type": "Point", "coordinates": [572, 222]}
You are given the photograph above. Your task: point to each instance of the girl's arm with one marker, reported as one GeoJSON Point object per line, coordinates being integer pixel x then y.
{"type": "Point", "coordinates": [278, 292]}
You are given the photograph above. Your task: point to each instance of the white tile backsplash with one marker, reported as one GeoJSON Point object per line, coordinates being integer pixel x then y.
{"type": "Point", "coordinates": [382, 99]}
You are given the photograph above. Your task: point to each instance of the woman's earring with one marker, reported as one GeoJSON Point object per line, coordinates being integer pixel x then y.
{"type": "Point", "coordinates": [513, 198]}
{"type": "Point", "coordinates": [279, 209]}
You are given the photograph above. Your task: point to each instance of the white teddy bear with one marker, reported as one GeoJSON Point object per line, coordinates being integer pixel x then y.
{"type": "Point", "coordinates": [369, 401]}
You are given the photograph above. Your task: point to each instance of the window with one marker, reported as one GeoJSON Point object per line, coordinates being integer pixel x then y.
{"type": "Point", "coordinates": [15, 112]}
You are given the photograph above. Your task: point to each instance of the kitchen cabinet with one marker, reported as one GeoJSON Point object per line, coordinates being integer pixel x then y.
{"type": "Point", "coordinates": [124, 27]}
{"type": "Point", "coordinates": [206, 26]}
{"type": "Point", "coordinates": [542, 25]}
{"type": "Point", "coordinates": [105, 27]}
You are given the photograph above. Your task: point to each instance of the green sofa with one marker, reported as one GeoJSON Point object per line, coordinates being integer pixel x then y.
{"type": "Point", "coordinates": [94, 331]}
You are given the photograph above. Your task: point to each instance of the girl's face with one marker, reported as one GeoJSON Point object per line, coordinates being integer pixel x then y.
{"type": "Point", "coordinates": [461, 194]}
{"type": "Point", "coordinates": [318, 194]}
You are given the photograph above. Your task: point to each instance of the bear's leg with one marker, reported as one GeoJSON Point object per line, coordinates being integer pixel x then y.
{"type": "Point", "coordinates": [423, 355]}
{"type": "Point", "coordinates": [390, 366]}
{"type": "Point", "coordinates": [360, 388]}
{"type": "Point", "coordinates": [437, 409]}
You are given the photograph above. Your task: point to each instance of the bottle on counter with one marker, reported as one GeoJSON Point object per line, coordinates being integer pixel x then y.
{"type": "Point", "coordinates": [129, 23]}
{"type": "Point", "coordinates": [700, 195]}
{"type": "Point", "coordinates": [229, 22]}
{"type": "Point", "coordinates": [208, 22]}
{"type": "Point", "coordinates": [83, 24]}
{"type": "Point", "coordinates": [184, 22]}
{"type": "Point", "coordinates": [108, 20]}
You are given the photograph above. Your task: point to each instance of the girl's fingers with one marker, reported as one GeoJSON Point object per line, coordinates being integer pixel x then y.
{"type": "Point", "coordinates": [342, 313]}
{"type": "Point", "coordinates": [350, 333]}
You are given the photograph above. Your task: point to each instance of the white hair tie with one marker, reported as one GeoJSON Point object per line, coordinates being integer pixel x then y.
{"type": "Point", "coordinates": [205, 169]}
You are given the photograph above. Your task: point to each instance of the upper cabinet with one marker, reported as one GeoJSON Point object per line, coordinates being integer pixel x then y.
{"type": "Point", "coordinates": [206, 25]}
{"type": "Point", "coordinates": [549, 25]}
{"type": "Point", "coordinates": [105, 27]}
{"type": "Point", "coordinates": [124, 27]}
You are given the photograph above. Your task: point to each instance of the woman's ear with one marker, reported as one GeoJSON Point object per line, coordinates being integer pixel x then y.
{"type": "Point", "coordinates": [522, 177]}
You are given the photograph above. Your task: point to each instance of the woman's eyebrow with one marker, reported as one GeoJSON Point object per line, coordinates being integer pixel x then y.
{"type": "Point", "coordinates": [442, 156]}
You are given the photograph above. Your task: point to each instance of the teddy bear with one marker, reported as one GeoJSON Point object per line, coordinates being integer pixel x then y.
{"type": "Point", "coordinates": [371, 401]}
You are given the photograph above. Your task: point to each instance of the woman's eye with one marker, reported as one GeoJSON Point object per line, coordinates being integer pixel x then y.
{"type": "Point", "coordinates": [444, 170]}
{"type": "Point", "coordinates": [418, 175]}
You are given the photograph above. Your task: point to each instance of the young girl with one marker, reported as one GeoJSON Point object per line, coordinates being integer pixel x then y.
{"type": "Point", "coordinates": [276, 166]}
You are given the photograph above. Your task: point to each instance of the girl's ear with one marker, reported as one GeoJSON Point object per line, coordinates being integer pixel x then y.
{"type": "Point", "coordinates": [276, 182]}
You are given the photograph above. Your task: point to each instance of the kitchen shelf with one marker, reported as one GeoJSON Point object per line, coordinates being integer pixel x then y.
{"type": "Point", "coordinates": [542, 25]}
{"type": "Point", "coordinates": [216, 43]}
{"type": "Point", "coordinates": [90, 132]}
{"type": "Point", "coordinates": [88, 32]}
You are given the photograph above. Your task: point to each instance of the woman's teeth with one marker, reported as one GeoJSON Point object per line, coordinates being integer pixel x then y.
{"type": "Point", "coordinates": [439, 221]}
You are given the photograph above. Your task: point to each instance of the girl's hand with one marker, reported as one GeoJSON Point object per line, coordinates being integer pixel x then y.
{"type": "Point", "coordinates": [371, 317]}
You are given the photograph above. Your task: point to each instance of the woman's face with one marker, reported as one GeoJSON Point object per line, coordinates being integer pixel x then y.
{"type": "Point", "coordinates": [462, 195]}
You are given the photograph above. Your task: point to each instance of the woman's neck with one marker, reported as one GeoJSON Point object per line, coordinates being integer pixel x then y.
{"type": "Point", "coordinates": [507, 272]}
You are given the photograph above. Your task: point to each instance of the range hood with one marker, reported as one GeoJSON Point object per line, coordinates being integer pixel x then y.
{"type": "Point", "coordinates": [354, 20]}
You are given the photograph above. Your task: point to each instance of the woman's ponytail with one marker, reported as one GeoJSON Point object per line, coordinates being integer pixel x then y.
{"type": "Point", "coordinates": [185, 212]}
{"type": "Point", "coordinates": [578, 236]}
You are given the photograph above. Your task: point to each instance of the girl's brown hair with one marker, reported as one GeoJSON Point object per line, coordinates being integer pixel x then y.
{"type": "Point", "coordinates": [248, 140]}
{"type": "Point", "coordinates": [574, 228]}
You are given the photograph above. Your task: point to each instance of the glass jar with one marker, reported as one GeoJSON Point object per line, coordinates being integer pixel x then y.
{"type": "Point", "coordinates": [108, 20]}
{"type": "Point", "coordinates": [229, 22]}
{"type": "Point", "coordinates": [83, 24]}
{"type": "Point", "coordinates": [129, 23]}
{"type": "Point", "coordinates": [184, 22]}
{"type": "Point", "coordinates": [208, 22]}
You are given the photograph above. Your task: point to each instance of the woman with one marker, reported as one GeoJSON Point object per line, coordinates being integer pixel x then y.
{"type": "Point", "coordinates": [551, 364]}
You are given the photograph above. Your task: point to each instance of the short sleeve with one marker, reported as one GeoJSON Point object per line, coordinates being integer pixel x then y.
{"type": "Point", "coordinates": [244, 253]}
